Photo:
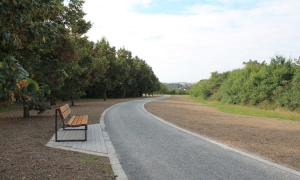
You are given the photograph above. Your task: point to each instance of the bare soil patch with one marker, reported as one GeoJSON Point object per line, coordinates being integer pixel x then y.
{"type": "Point", "coordinates": [270, 138]}
{"type": "Point", "coordinates": [23, 154]}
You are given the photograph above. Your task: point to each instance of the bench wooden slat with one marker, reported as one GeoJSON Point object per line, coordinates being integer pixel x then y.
{"type": "Point", "coordinates": [84, 120]}
{"type": "Point", "coordinates": [64, 111]}
{"type": "Point", "coordinates": [70, 122]}
{"type": "Point", "coordinates": [64, 107]}
{"type": "Point", "coordinates": [78, 121]}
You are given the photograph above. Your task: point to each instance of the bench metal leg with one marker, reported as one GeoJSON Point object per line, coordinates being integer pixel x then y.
{"type": "Point", "coordinates": [86, 132]}
{"type": "Point", "coordinates": [56, 110]}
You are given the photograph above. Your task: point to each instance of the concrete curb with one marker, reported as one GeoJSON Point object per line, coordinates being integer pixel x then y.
{"type": "Point", "coordinates": [114, 160]}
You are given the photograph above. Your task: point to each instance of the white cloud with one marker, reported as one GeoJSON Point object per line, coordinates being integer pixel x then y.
{"type": "Point", "coordinates": [205, 38]}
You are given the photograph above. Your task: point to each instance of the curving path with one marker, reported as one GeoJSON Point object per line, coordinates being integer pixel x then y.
{"type": "Point", "coordinates": [149, 148]}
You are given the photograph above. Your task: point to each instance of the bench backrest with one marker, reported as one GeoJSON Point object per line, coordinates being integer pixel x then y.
{"type": "Point", "coordinates": [64, 111]}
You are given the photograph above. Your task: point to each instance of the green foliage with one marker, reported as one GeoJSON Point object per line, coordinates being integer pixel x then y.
{"type": "Point", "coordinates": [230, 91]}
{"type": "Point", "coordinates": [163, 89]}
{"type": "Point", "coordinates": [11, 73]}
{"type": "Point", "coordinates": [73, 15]}
{"type": "Point", "coordinates": [177, 92]}
{"type": "Point", "coordinates": [257, 84]}
{"type": "Point", "coordinates": [200, 89]}
{"type": "Point", "coordinates": [105, 68]}
{"type": "Point", "coordinates": [33, 32]}
{"type": "Point", "coordinates": [208, 88]}
{"type": "Point", "coordinates": [36, 95]}
{"type": "Point", "coordinates": [118, 74]}
{"type": "Point", "coordinates": [288, 94]}
{"type": "Point", "coordinates": [44, 56]}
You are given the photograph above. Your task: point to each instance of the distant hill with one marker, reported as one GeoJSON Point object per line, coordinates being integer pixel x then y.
{"type": "Point", "coordinates": [179, 85]}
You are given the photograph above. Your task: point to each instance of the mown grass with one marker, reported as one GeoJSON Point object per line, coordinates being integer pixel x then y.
{"type": "Point", "coordinates": [88, 159]}
{"type": "Point", "coordinates": [250, 111]}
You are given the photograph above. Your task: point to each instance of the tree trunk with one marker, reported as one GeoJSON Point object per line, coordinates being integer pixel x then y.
{"type": "Point", "coordinates": [52, 100]}
{"type": "Point", "coordinates": [72, 99]}
{"type": "Point", "coordinates": [104, 96]}
{"type": "Point", "coordinates": [26, 108]}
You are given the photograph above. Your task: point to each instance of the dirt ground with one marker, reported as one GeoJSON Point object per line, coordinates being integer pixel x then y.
{"type": "Point", "coordinates": [273, 139]}
{"type": "Point", "coordinates": [23, 154]}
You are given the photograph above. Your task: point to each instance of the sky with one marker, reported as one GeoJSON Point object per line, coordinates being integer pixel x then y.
{"type": "Point", "coordinates": [187, 40]}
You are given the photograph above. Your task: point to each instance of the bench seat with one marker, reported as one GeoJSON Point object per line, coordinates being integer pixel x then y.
{"type": "Point", "coordinates": [76, 121]}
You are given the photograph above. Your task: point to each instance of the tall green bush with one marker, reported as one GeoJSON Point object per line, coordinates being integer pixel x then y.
{"type": "Point", "coordinates": [257, 84]}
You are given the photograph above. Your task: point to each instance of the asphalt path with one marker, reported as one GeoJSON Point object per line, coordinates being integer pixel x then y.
{"type": "Point", "coordinates": [149, 148]}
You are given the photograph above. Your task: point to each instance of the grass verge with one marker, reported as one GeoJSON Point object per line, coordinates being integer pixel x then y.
{"type": "Point", "coordinates": [250, 111]}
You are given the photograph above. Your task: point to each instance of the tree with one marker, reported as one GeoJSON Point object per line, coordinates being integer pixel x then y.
{"type": "Point", "coordinates": [109, 80]}
{"type": "Point", "coordinates": [103, 60]}
{"type": "Point", "coordinates": [37, 35]}
{"type": "Point", "coordinates": [163, 88]}
{"type": "Point", "coordinates": [81, 72]}
{"type": "Point", "coordinates": [25, 25]}
{"type": "Point", "coordinates": [73, 19]}
{"type": "Point", "coordinates": [124, 59]}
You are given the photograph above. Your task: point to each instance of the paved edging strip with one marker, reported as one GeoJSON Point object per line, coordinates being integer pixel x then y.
{"type": "Point", "coordinates": [94, 145]}
{"type": "Point", "coordinates": [114, 160]}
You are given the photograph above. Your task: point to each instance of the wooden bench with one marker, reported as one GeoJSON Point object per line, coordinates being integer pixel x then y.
{"type": "Point", "coordinates": [70, 122]}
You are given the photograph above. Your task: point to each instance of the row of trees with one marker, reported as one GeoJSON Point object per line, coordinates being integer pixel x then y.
{"type": "Point", "coordinates": [276, 84]}
{"type": "Point", "coordinates": [44, 56]}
